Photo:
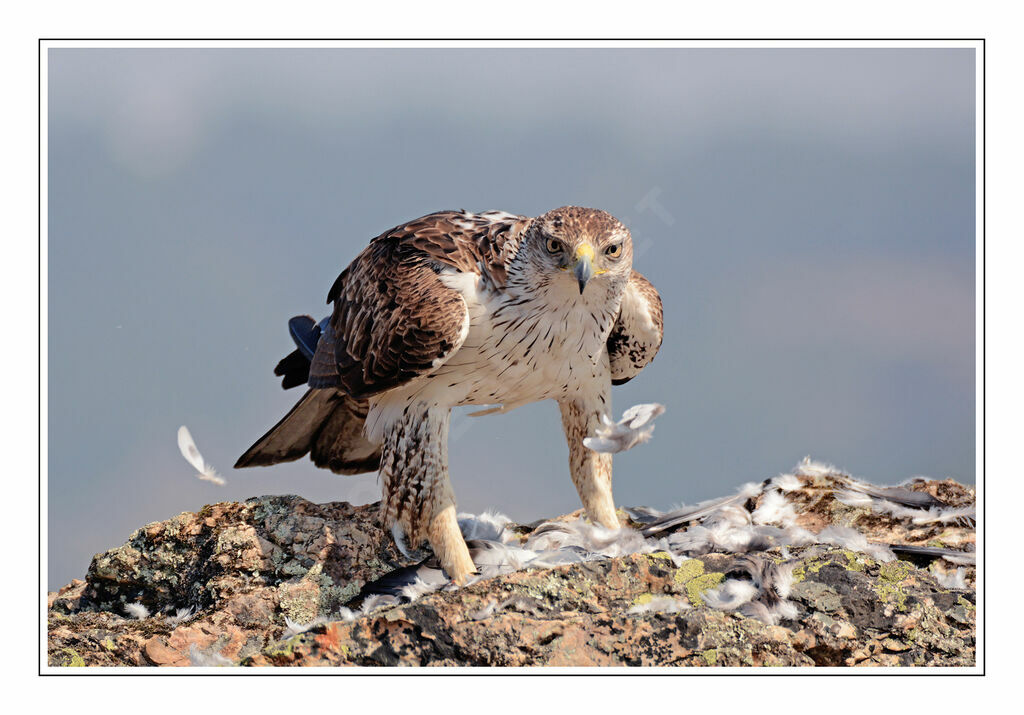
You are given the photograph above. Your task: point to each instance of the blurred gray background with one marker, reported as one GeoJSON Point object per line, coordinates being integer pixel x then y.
{"type": "Point", "coordinates": [808, 216]}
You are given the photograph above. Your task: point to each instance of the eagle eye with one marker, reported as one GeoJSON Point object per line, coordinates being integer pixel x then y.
{"type": "Point", "coordinates": [553, 245]}
{"type": "Point", "coordinates": [613, 250]}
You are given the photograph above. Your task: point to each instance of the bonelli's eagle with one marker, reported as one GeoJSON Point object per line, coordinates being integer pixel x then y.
{"type": "Point", "coordinates": [457, 308]}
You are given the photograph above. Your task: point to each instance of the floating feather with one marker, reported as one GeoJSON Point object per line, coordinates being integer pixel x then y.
{"type": "Point", "coordinates": [189, 451]}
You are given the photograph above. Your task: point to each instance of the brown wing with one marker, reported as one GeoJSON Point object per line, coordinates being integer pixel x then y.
{"type": "Point", "coordinates": [393, 318]}
{"type": "Point", "coordinates": [636, 337]}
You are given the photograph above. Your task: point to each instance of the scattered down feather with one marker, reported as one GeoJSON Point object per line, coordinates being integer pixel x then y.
{"type": "Point", "coordinates": [490, 525]}
{"type": "Point", "coordinates": [810, 468]}
{"type": "Point", "coordinates": [853, 540]}
{"type": "Point", "coordinates": [787, 482]}
{"type": "Point", "coordinates": [293, 629]}
{"type": "Point", "coordinates": [762, 597]}
{"type": "Point", "coordinates": [774, 509]}
{"type": "Point", "coordinates": [730, 595]}
{"type": "Point", "coordinates": [661, 604]}
{"type": "Point", "coordinates": [137, 611]}
{"type": "Point", "coordinates": [953, 580]}
{"type": "Point", "coordinates": [207, 659]}
{"type": "Point", "coordinates": [182, 615]}
{"type": "Point", "coordinates": [519, 602]}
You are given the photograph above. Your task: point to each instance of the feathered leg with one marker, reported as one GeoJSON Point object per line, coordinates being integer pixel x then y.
{"type": "Point", "coordinates": [417, 492]}
{"type": "Point", "coordinates": [591, 471]}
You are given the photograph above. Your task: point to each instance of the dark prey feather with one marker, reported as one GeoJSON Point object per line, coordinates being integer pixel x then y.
{"type": "Point", "coordinates": [898, 495]}
{"type": "Point", "coordinates": [930, 553]}
{"type": "Point", "coordinates": [306, 334]}
{"type": "Point", "coordinates": [686, 514]}
{"type": "Point", "coordinates": [294, 367]}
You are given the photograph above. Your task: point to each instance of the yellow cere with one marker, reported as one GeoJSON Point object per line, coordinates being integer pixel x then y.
{"type": "Point", "coordinates": [585, 250]}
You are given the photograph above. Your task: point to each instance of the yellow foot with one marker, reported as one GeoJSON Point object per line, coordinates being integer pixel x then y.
{"type": "Point", "coordinates": [449, 546]}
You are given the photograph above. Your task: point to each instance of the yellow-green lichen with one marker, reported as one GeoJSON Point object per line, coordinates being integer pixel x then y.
{"type": "Point", "coordinates": [895, 571]}
{"type": "Point", "coordinates": [643, 598]}
{"type": "Point", "coordinates": [688, 571]}
{"type": "Point", "coordinates": [284, 648]}
{"type": "Point", "coordinates": [801, 570]}
{"type": "Point", "coordinates": [890, 575]}
{"type": "Point", "coordinates": [710, 656]}
{"type": "Point", "coordinates": [696, 586]}
{"type": "Point", "coordinates": [74, 660]}
{"type": "Point", "coordinates": [108, 644]}
{"type": "Point", "coordinates": [855, 561]}
{"type": "Point", "coordinates": [965, 603]}
{"type": "Point", "coordinates": [660, 555]}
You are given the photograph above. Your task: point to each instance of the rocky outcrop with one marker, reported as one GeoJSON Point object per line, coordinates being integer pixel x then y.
{"type": "Point", "coordinates": [272, 581]}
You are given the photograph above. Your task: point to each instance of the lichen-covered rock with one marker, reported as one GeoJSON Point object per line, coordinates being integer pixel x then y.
{"type": "Point", "coordinates": [243, 569]}
{"type": "Point", "coordinates": [240, 567]}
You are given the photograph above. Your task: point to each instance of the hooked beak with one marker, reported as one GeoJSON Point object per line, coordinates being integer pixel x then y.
{"type": "Point", "coordinates": [583, 268]}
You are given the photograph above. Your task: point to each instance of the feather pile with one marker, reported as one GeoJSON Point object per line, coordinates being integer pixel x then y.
{"type": "Point", "coordinates": [757, 518]}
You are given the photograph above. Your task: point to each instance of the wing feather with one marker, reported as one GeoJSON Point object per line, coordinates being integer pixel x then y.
{"type": "Point", "coordinates": [394, 319]}
{"type": "Point", "coordinates": [638, 331]}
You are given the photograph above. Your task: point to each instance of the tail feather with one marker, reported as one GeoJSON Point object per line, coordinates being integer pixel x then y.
{"type": "Point", "coordinates": [326, 423]}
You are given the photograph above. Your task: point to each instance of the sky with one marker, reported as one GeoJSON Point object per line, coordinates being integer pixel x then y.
{"type": "Point", "coordinates": [807, 215]}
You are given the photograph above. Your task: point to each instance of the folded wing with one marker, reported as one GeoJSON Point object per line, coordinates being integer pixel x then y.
{"type": "Point", "coordinates": [636, 337]}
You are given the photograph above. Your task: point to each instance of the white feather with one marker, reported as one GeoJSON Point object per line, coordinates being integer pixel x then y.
{"type": "Point", "coordinates": [137, 610]}
{"type": "Point", "coordinates": [189, 451]}
{"type": "Point", "coordinates": [730, 595]}
{"type": "Point", "coordinates": [661, 604]}
{"type": "Point", "coordinates": [852, 498]}
{"type": "Point", "coordinates": [855, 541]}
{"type": "Point", "coordinates": [635, 427]}
{"type": "Point", "coordinates": [490, 525]}
{"type": "Point", "coordinates": [181, 616]}
{"type": "Point", "coordinates": [213, 659]}
{"type": "Point", "coordinates": [787, 482]}
{"type": "Point", "coordinates": [810, 468]}
{"type": "Point", "coordinates": [950, 579]}
{"type": "Point", "coordinates": [774, 509]}
{"type": "Point", "coordinates": [294, 629]}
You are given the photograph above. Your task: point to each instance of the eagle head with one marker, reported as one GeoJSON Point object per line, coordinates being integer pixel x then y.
{"type": "Point", "coordinates": [578, 246]}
